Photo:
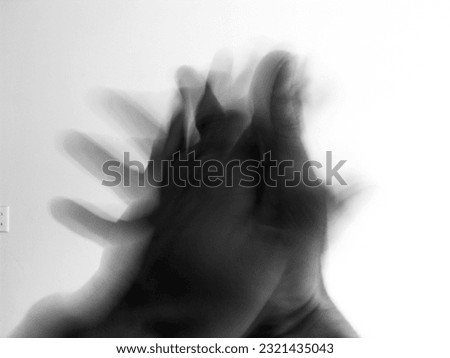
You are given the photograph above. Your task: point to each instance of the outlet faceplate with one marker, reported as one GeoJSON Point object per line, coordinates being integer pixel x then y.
{"type": "Point", "coordinates": [4, 218]}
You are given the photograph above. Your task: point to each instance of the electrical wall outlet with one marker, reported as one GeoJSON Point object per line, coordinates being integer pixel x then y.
{"type": "Point", "coordinates": [4, 218]}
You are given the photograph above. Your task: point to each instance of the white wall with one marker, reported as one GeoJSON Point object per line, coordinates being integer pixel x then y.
{"type": "Point", "coordinates": [380, 76]}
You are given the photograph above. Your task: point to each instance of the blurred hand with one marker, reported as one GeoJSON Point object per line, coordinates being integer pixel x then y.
{"type": "Point", "coordinates": [208, 260]}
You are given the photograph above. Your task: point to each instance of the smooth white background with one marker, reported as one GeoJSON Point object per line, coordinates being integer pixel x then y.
{"type": "Point", "coordinates": [379, 98]}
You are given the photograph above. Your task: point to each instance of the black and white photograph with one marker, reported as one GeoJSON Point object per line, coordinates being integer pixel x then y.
{"type": "Point", "coordinates": [225, 169]}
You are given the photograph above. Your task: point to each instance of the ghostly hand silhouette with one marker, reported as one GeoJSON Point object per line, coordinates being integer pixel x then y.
{"type": "Point", "coordinates": [217, 260]}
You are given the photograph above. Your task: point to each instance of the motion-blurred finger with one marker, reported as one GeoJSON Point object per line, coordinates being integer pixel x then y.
{"type": "Point", "coordinates": [276, 106]}
{"type": "Point", "coordinates": [219, 77]}
{"type": "Point", "coordinates": [96, 226]}
{"type": "Point", "coordinates": [219, 129]}
{"type": "Point", "coordinates": [133, 118]}
{"type": "Point", "coordinates": [129, 178]}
